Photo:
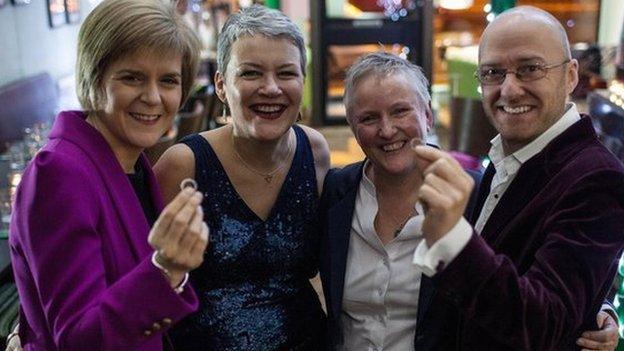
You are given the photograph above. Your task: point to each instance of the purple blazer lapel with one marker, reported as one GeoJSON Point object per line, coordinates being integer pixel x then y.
{"type": "Point", "coordinates": [72, 127]}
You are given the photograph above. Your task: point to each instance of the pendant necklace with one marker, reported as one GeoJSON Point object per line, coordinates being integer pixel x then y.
{"type": "Point", "coordinates": [268, 177]}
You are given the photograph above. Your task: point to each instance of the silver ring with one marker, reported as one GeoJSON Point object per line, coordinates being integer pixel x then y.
{"type": "Point", "coordinates": [188, 182]}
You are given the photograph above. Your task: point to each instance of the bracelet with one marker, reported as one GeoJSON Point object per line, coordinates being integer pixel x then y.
{"type": "Point", "coordinates": [178, 289]}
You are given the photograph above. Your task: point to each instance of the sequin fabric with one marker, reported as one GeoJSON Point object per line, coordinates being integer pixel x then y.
{"type": "Point", "coordinates": [253, 285]}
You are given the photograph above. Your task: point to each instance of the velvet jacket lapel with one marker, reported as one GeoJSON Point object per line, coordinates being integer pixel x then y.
{"type": "Point", "coordinates": [73, 128]}
{"type": "Point", "coordinates": [531, 179]}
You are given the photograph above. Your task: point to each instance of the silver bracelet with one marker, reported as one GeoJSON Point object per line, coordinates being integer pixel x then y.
{"type": "Point", "coordinates": [178, 289]}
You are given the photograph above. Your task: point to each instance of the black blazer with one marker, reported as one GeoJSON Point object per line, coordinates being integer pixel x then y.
{"type": "Point", "coordinates": [334, 223]}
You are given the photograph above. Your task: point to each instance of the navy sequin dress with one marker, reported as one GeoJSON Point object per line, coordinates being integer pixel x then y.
{"type": "Point", "coordinates": [253, 285]}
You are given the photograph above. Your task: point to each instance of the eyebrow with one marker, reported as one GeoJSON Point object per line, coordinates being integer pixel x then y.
{"type": "Point", "coordinates": [521, 60]}
{"type": "Point", "coordinates": [256, 65]}
{"type": "Point", "coordinates": [138, 72]}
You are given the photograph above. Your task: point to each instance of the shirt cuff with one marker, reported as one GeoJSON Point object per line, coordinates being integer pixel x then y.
{"type": "Point", "coordinates": [432, 260]}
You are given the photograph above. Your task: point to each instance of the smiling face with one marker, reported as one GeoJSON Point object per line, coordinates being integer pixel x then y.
{"type": "Point", "coordinates": [142, 93]}
{"type": "Point", "coordinates": [521, 111]}
{"type": "Point", "coordinates": [263, 86]}
{"type": "Point", "coordinates": [385, 113]}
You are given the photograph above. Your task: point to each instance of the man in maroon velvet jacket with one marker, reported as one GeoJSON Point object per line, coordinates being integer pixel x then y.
{"type": "Point", "coordinates": [535, 268]}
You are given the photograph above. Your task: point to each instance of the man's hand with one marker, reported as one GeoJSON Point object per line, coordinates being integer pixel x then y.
{"type": "Point", "coordinates": [444, 194]}
{"type": "Point", "coordinates": [605, 339]}
{"type": "Point", "coordinates": [180, 235]}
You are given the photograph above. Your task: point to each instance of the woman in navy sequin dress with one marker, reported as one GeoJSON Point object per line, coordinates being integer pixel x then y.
{"type": "Point", "coordinates": [261, 177]}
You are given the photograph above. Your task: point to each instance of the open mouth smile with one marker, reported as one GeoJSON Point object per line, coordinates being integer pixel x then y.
{"type": "Point", "coordinates": [268, 111]}
{"type": "Point", "coordinates": [144, 118]}
{"type": "Point", "coordinates": [515, 110]}
{"type": "Point", "coordinates": [394, 146]}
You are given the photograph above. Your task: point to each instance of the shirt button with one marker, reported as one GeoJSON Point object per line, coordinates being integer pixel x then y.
{"type": "Point", "coordinates": [166, 322]}
{"type": "Point", "coordinates": [147, 333]}
{"type": "Point", "coordinates": [156, 326]}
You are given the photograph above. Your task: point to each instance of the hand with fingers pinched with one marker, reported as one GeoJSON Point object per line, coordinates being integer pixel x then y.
{"type": "Point", "coordinates": [180, 236]}
{"type": "Point", "coordinates": [444, 193]}
{"type": "Point", "coordinates": [605, 339]}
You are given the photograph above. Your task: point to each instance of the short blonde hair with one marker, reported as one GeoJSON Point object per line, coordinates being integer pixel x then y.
{"type": "Point", "coordinates": [118, 28]}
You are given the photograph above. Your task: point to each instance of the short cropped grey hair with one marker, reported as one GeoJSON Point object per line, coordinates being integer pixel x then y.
{"type": "Point", "coordinates": [384, 64]}
{"type": "Point", "coordinates": [257, 20]}
{"type": "Point", "coordinates": [118, 28]}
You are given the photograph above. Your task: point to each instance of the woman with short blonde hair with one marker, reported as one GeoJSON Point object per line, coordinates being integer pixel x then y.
{"type": "Point", "coordinates": [98, 262]}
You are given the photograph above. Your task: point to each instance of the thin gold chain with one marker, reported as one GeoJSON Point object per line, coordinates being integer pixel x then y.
{"type": "Point", "coordinates": [268, 177]}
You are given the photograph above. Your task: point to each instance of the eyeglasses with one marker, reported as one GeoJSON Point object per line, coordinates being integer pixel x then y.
{"type": "Point", "coordinates": [524, 73]}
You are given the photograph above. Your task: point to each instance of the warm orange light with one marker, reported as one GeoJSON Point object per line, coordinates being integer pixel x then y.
{"type": "Point", "coordinates": [455, 4]}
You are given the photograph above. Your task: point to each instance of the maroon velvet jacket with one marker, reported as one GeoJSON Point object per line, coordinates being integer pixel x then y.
{"type": "Point", "coordinates": [536, 276]}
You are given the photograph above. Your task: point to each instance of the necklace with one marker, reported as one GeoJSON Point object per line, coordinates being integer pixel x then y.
{"type": "Point", "coordinates": [399, 225]}
{"type": "Point", "coordinates": [268, 177]}
{"type": "Point", "coordinates": [398, 230]}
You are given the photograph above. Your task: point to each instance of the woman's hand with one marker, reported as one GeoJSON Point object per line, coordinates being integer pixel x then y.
{"type": "Point", "coordinates": [605, 339]}
{"type": "Point", "coordinates": [180, 235]}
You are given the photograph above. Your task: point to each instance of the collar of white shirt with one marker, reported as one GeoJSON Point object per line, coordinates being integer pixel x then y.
{"type": "Point", "coordinates": [510, 164]}
{"type": "Point", "coordinates": [411, 228]}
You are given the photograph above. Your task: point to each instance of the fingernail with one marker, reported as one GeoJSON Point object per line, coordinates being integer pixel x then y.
{"type": "Point", "coordinates": [419, 148]}
{"type": "Point", "coordinates": [414, 143]}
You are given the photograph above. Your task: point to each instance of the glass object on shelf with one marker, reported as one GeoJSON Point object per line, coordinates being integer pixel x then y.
{"type": "Point", "coordinates": [370, 9]}
{"type": "Point", "coordinates": [339, 59]}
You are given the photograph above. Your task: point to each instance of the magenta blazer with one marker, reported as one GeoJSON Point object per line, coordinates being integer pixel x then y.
{"type": "Point", "coordinates": [80, 254]}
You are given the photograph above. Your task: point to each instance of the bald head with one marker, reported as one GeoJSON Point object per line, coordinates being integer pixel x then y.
{"type": "Point", "coordinates": [526, 39]}
{"type": "Point", "coordinates": [525, 15]}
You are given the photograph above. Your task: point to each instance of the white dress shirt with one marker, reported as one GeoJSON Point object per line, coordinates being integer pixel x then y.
{"type": "Point", "coordinates": [380, 299]}
{"type": "Point", "coordinates": [429, 260]}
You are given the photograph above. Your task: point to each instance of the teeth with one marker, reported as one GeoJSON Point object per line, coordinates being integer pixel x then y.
{"type": "Point", "coordinates": [268, 108]}
{"type": "Point", "coordinates": [394, 146]}
{"type": "Point", "coordinates": [144, 117]}
{"type": "Point", "coordinates": [516, 110]}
